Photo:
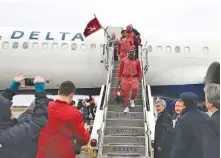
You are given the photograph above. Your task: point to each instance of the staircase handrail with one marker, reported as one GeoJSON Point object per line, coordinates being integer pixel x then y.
{"type": "Point", "coordinates": [148, 152]}
{"type": "Point", "coordinates": [107, 95]}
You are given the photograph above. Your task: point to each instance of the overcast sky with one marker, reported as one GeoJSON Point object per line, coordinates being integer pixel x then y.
{"type": "Point", "coordinates": [150, 17]}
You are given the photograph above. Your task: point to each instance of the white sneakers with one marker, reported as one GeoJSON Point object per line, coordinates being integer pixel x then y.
{"type": "Point", "coordinates": [132, 104]}
{"type": "Point", "coordinates": [126, 110]}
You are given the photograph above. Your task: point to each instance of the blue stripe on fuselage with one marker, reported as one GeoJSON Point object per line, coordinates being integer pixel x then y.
{"type": "Point", "coordinates": [171, 92]}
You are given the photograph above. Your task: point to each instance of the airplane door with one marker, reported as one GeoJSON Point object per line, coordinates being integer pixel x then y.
{"type": "Point", "coordinates": [116, 30]}
{"type": "Point", "coordinates": [105, 53]}
{"type": "Point", "coordinates": [145, 59]}
{"type": "Point", "coordinates": [106, 48]}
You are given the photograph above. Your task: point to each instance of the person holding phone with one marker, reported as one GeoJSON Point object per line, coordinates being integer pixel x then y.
{"type": "Point", "coordinates": [15, 134]}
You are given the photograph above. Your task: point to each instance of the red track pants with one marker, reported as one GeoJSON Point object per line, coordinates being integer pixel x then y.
{"type": "Point", "coordinates": [127, 84]}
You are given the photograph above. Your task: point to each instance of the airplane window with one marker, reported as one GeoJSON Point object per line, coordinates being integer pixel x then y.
{"type": "Point", "coordinates": [5, 45]}
{"type": "Point", "coordinates": [168, 49]}
{"type": "Point", "coordinates": [35, 45]}
{"type": "Point", "coordinates": [83, 46]}
{"type": "Point", "coordinates": [25, 45]}
{"type": "Point", "coordinates": [150, 49]}
{"type": "Point", "coordinates": [64, 46]}
{"type": "Point", "coordinates": [73, 46]}
{"type": "Point", "coordinates": [187, 49]}
{"type": "Point", "coordinates": [93, 46]}
{"type": "Point", "coordinates": [15, 45]}
{"type": "Point", "coordinates": [54, 46]}
{"type": "Point", "coordinates": [205, 50]}
{"type": "Point", "coordinates": [159, 49]}
{"type": "Point", "coordinates": [45, 45]}
{"type": "Point", "coordinates": [177, 49]}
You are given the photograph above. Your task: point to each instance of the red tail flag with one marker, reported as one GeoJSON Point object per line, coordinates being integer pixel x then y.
{"type": "Point", "coordinates": [92, 27]}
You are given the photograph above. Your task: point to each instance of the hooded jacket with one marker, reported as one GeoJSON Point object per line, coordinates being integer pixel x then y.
{"type": "Point", "coordinates": [14, 137]}
{"type": "Point", "coordinates": [5, 123]}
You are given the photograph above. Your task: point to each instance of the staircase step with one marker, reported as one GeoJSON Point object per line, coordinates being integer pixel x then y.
{"type": "Point", "coordinates": [113, 101]}
{"type": "Point", "coordinates": [124, 150]}
{"type": "Point", "coordinates": [114, 74]}
{"type": "Point", "coordinates": [115, 70]}
{"type": "Point", "coordinates": [122, 115]}
{"type": "Point", "coordinates": [139, 94]}
{"type": "Point", "coordinates": [113, 88]}
{"type": "Point", "coordinates": [114, 84]}
{"type": "Point", "coordinates": [138, 97]}
{"type": "Point", "coordinates": [120, 108]}
{"type": "Point", "coordinates": [124, 122]}
{"type": "Point", "coordinates": [132, 155]}
{"type": "Point", "coordinates": [125, 131]}
{"type": "Point", "coordinates": [140, 140]}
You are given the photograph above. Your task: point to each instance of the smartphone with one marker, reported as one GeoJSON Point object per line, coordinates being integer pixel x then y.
{"type": "Point", "coordinates": [29, 82]}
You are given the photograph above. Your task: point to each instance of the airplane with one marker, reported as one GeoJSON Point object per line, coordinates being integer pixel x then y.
{"type": "Point", "coordinates": [171, 66]}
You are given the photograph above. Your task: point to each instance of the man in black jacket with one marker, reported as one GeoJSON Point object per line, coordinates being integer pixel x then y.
{"type": "Point", "coordinates": [211, 136]}
{"type": "Point", "coordinates": [14, 135]}
{"type": "Point", "coordinates": [188, 139]}
{"type": "Point", "coordinates": [162, 145]}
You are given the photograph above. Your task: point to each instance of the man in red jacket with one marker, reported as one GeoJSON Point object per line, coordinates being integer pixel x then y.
{"type": "Point", "coordinates": [65, 123]}
{"type": "Point", "coordinates": [130, 74]}
{"type": "Point", "coordinates": [132, 35]}
{"type": "Point", "coordinates": [136, 39]}
{"type": "Point", "coordinates": [124, 45]}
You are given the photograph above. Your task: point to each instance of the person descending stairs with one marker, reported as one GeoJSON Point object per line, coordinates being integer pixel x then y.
{"type": "Point", "coordinates": [129, 74]}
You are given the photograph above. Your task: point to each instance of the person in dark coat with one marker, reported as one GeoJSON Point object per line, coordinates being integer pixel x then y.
{"type": "Point", "coordinates": [84, 110]}
{"type": "Point", "coordinates": [211, 135]}
{"type": "Point", "coordinates": [14, 135]}
{"type": "Point", "coordinates": [162, 145]}
{"type": "Point", "coordinates": [30, 146]}
{"type": "Point", "coordinates": [189, 127]}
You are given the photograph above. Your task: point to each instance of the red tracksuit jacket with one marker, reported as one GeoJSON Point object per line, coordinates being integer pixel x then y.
{"type": "Point", "coordinates": [129, 68]}
{"type": "Point", "coordinates": [65, 123]}
{"type": "Point", "coordinates": [134, 37]}
{"type": "Point", "coordinates": [124, 45]}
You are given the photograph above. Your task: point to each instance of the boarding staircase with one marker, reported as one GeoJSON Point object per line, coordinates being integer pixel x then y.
{"type": "Point", "coordinates": [123, 134]}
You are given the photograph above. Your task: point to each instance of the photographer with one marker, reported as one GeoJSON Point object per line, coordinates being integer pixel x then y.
{"type": "Point", "coordinates": [15, 134]}
{"type": "Point", "coordinates": [91, 105]}
{"type": "Point", "coordinates": [84, 110]}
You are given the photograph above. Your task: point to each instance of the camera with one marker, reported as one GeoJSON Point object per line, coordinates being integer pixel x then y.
{"type": "Point", "coordinates": [29, 82]}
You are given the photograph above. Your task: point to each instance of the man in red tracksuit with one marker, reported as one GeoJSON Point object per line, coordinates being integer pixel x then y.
{"type": "Point", "coordinates": [136, 39]}
{"type": "Point", "coordinates": [124, 45]}
{"type": "Point", "coordinates": [130, 74]}
{"type": "Point", "coordinates": [132, 35]}
{"type": "Point", "coordinates": [65, 124]}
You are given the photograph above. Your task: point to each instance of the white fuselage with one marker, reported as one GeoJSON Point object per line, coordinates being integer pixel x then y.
{"type": "Point", "coordinates": [80, 61]}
